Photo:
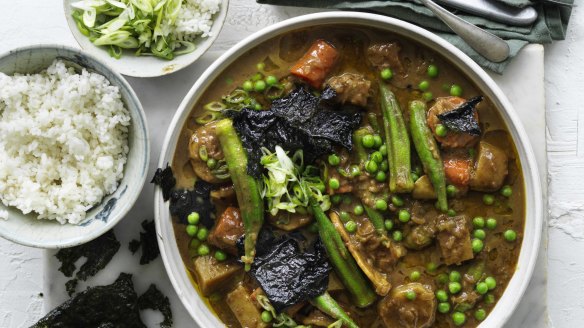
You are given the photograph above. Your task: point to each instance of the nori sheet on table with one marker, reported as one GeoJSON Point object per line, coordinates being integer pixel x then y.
{"type": "Point", "coordinates": [155, 300]}
{"type": "Point", "coordinates": [98, 252]}
{"type": "Point", "coordinates": [288, 270]}
{"type": "Point", "coordinates": [147, 243]}
{"type": "Point", "coordinates": [462, 118]}
{"type": "Point", "coordinates": [299, 120]}
{"type": "Point", "coordinates": [165, 180]}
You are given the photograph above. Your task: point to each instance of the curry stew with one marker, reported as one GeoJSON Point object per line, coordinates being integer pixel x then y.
{"type": "Point", "coordinates": [383, 192]}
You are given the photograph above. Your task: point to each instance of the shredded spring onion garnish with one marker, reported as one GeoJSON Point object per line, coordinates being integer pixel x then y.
{"type": "Point", "coordinates": [144, 25]}
{"type": "Point", "coordinates": [280, 319]}
{"type": "Point", "coordinates": [289, 184]}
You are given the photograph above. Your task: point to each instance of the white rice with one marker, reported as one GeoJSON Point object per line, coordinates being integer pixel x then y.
{"type": "Point", "coordinates": [63, 142]}
{"type": "Point", "coordinates": [195, 19]}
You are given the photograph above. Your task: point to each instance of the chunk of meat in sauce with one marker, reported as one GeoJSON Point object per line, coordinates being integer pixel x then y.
{"type": "Point", "coordinates": [424, 233]}
{"type": "Point", "coordinates": [351, 88]}
{"type": "Point", "coordinates": [385, 55]}
{"type": "Point", "coordinates": [204, 139]}
{"type": "Point", "coordinates": [397, 311]}
{"type": "Point", "coordinates": [490, 168]}
{"type": "Point", "coordinates": [454, 239]}
{"type": "Point", "coordinates": [452, 139]}
{"type": "Point", "coordinates": [316, 63]}
{"type": "Point", "coordinates": [227, 230]}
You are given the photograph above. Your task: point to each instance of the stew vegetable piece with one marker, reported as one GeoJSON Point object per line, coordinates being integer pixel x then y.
{"type": "Point", "coordinates": [352, 178]}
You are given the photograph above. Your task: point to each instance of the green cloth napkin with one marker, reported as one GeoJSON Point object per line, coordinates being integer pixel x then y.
{"type": "Point", "coordinates": [551, 23]}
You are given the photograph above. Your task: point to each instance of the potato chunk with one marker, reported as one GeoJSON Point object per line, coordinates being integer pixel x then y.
{"type": "Point", "coordinates": [490, 168]}
{"type": "Point", "coordinates": [244, 309]}
{"type": "Point", "coordinates": [212, 275]}
{"type": "Point", "coordinates": [397, 311]}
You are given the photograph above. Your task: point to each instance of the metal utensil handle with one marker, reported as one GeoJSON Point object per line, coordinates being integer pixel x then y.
{"type": "Point", "coordinates": [495, 11]}
{"type": "Point", "coordinates": [488, 45]}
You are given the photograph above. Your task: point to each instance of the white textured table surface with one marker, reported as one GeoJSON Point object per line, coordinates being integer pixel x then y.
{"type": "Point", "coordinates": [26, 22]}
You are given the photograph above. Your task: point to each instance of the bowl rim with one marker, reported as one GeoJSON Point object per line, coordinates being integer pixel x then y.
{"type": "Point", "coordinates": [173, 264]}
{"type": "Point", "coordinates": [204, 45]}
{"type": "Point", "coordinates": [129, 203]}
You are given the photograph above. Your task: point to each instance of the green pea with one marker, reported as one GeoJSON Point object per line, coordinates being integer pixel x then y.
{"type": "Point", "coordinates": [404, 215]}
{"type": "Point", "coordinates": [193, 218]}
{"type": "Point", "coordinates": [454, 276]}
{"type": "Point", "coordinates": [347, 199]}
{"type": "Point", "coordinates": [479, 234]}
{"type": "Point", "coordinates": [478, 222]}
{"type": "Point", "coordinates": [411, 295]}
{"type": "Point", "coordinates": [271, 80]}
{"type": "Point", "coordinates": [383, 150]}
{"type": "Point", "coordinates": [384, 166]}
{"type": "Point", "coordinates": [491, 282]}
{"type": "Point", "coordinates": [266, 317]}
{"type": "Point", "coordinates": [454, 287]}
{"type": "Point", "coordinates": [211, 163]}
{"type": "Point", "coordinates": [480, 314]}
{"type": "Point", "coordinates": [415, 275]}
{"type": "Point", "coordinates": [377, 141]}
{"type": "Point", "coordinates": [355, 170]}
{"type": "Point", "coordinates": [491, 223]}
{"type": "Point", "coordinates": [351, 226]}
{"type": "Point", "coordinates": [334, 184]}
{"type": "Point", "coordinates": [441, 295]}
{"type": "Point", "coordinates": [488, 199]}
{"type": "Point", "coordinates": [381, 204]}
{"type": "Point", "coordinates": [431, 267]}
{"type": "Point", "coordinates": [388, 224]}
{"type": "Point", "coordinates": [261, 66]}
{"type": "Point", "coordinates": [510, 235]}
{"type": "Point", "coordinates": [381, 176]}
{"type": "Point", "coordinates": [371, 166]}
{"type": "Point", "coordinates": [482, 288]}
{"type": "Point", "coordinates": [202, 234]}
{"type": "Point", "coordinates": [444, 307]}
{"type": "Point", "coordinates": [489, 299]}
{"type": "Point", "coordinates": [203, 250]}
{"type": "Point", "coordinates": [432, 70]}
{"type": "Point", "coordinates": [427, 96]}
{"type": "Point", "coordinates": [506, 191]}
{"type": "Point", "coordinates": [368, 141]}
{"type": "Point", "coordinates": [257, 107]}
{"type": "Point", "coordinates": [336, 199]}
{"type": "Point", "coordinates": [248, 86]}
{"type": "Point", "coordinates": [451, 212]}
{"type": "Point", "coordinates": [442, 278]}
{"type": "Point", "coordinates": [455, 90]}
{"type": "Point", "coordinates": [397, 200]}
{"type": "Point", "coordinates": [377, 157]}
{"type": "Point", "coordinates": [220, 256]}
{"type": "Point", "coordinates": [259, 86]}
{"type": "Point", "coordinates": [424, 85]}
{"type": "Point", "coordinates": [194, 244]}
{"type": "Point", "coordinates": [386, 74]}
{"type": "Point", "coordinates": [334, 159]}
{"type": "Point", "coordinates": [344, 216]}
{"type": "Point", "coordinates": [397, 235]}
{"type": "Point", "coordinates": [192, 230]}
{"type": "Point", "coordinates": [477, 245]}
{"type": "Point", "coordinates": [451, 190]}
{"type": "Point", "coordinates": [358, 210]}
{"type": "Point", "coordinates": [458, 318]}
{"type": "Point", "coordinates": [415, 176]}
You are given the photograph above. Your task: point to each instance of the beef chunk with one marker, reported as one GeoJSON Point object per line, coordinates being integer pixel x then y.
{"type": "Point", "coordinates": [454, 239]}
{"type": "Point", "coordinates": [351, 88]}
{"type": "Point", "coordinates": [227, 230]}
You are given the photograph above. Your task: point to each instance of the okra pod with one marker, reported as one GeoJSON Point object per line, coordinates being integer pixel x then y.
{"type": "Point", "coordinates": [247, 188]}
{"type": "Point", "coordinates": [327, 304]}
{"type": "Point", "coordinates": [398, 143]}
{"type": "Point", "coordinates": [428, 151]}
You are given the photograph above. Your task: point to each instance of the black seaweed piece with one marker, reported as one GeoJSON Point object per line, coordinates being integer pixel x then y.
{"type": "Point", "coordinates": [155, 300]}
{"type": "Point", "coordinates": [299, 120]}
{"type": "Point", "coordinates": [183, 202]}
{"type": "Point", "coordinates": [288, 272]}
{"type": "Point", "coordinates": [462, 118]}
{"type": "Point", "coordinates": [147, 242]}
{"type": "Point", "coordinates": [165, 180]}
{"type": "Point", "coordinates": [98, 252]}
{"type": "Point", "coordinates": [114, 305]}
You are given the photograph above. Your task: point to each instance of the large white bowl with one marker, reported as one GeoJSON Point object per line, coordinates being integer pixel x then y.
{"type": "Point", "coordinates": [533, 223]}
{"type": "Point", "coordinates": [29, 231]}
{"type": "Point", "coordinates": [146, 66]}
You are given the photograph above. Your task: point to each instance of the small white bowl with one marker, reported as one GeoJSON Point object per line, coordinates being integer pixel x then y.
{"type": "Point", "coordinates": [505, 306]}
{"type": "Point", "coordinates": [146, 66]}
{"type": "Point", "coordinates": [30, 231]}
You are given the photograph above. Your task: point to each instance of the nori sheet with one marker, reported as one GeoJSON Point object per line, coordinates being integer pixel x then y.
{"type": "Point", "coordinates": [165, 180]}
{"type": "Point", "coordinates": [462, 118]}
{"type": "Point", "coordinates": [155, 300]}
{"type": "Point", "coordinates": [147, 243]}
{"type": "Point", "coordinates": [183, 202]}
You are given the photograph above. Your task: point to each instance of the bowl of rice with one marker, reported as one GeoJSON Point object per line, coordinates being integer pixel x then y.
{"type": "Point", "coordinates": [73, 143]}
{"type": "Point", "coordinates": [146, 38]}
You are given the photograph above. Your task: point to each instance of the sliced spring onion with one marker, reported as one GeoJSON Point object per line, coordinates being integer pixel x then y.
{"type": "Point", "coordinates": [122, 39]}
{"type": "Point", "coordinates": [208, 117]}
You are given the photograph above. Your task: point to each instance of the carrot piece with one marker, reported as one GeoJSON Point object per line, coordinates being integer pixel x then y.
{"type": "Point", "coordinates": [457, 168]}
{"type": "Point", "coordinates": [316, 63]}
